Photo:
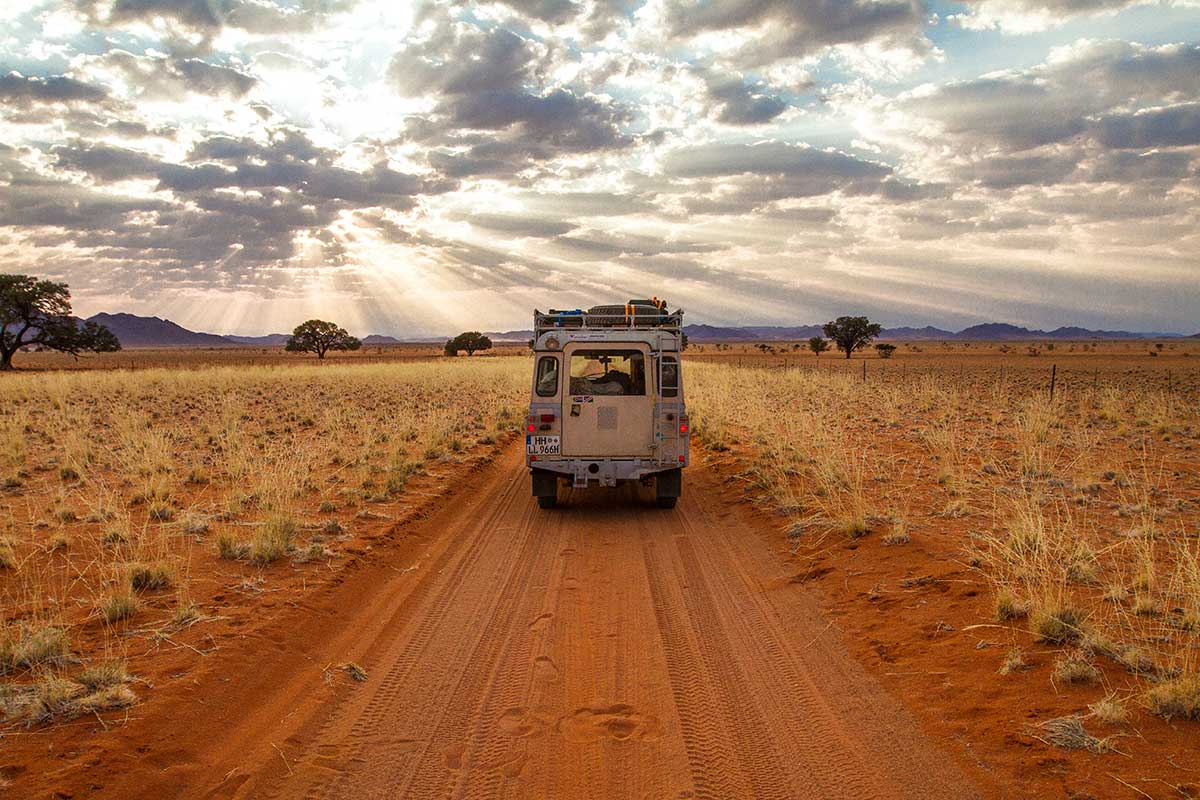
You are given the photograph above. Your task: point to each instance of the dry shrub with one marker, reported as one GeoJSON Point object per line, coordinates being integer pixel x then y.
{"type": "Point", "coordinates": [1176, 697]}
{"type": "Point", "coordinates": [1057, 624]}
{"type": "Point", "coordinates": [1014, 661]}
{"type": "Point", "coordinates": [8, 554]}
{"type": "Point", "coordinates": [1109, 710]}
{"type": "Point", "coordinates": [230, 548]}
{"type": "Point", "coordinates": [1009, 606]}
{"type": "Point", "coordinates": [1069, 734]}
{"type": "Point", "coordinates": [151, 576]}
{"type": "Point", "coordinates": [103, 675]}
{"type": "Point", "coordinates": [117, 607]}
{"type": "Point", "coordinates": [273, 541]}
{"type": "Point", "coordinates": [27, 647]}
{"type": "Point", "coordinates": [1075, 667]}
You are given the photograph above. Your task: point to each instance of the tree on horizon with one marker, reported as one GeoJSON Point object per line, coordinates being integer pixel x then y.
{"type": "Point", "coordinates": [471, 341]}
{"type": "Point", "coordinates": [318, 336]}
{"type": "Point", "coordinates": [37, 313]}
{"type": "Point", "coordinates": [852, 333]}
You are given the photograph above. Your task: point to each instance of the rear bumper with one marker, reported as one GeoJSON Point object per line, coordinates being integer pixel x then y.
{"type": "Point", "coordinates": [585, 472]}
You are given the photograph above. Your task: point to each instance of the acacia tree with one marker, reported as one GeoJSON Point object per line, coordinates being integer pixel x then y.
{"type": "Point", "coordinates": [852, 333]}
{"type": "Point", "coordinates": [469, 341]}
{"type": "Point", "coordinates": [885, 350]}
{"type": "Point", "coordinates": [818, 345]}
{"type": "Point", "coordinates": [318, 336]}
{"type": "Point", "coordinates": [37, 313]}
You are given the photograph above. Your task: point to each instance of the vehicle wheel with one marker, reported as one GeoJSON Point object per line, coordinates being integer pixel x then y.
{"type": "Point", "coordinates": [667, 502]}
{"type": "Point", "coordinates": [547, 502]}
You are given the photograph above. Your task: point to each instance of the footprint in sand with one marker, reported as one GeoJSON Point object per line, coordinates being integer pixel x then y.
{"type": "Point", "coordinates": [545, 667]}
{"type": "Point", "coordinates": [520, 723]}
{"type": "Point", "coordinates": [617, 722]}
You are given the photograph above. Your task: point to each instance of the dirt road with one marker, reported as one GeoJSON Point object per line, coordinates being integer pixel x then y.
{"type": "Point", "coordinates": [606, 649]}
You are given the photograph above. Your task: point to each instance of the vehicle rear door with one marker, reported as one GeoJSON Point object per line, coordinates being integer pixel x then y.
{"type": "Point", "coordinates": [608, 402]}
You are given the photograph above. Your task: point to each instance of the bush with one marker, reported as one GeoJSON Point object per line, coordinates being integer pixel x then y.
{"type": "Point", "coordinates": [231, 548]}
{"type": "Point", "coordinates": [144, 577]}
{"type": "Point", "coordinates": [1056, 624]}
{"type": "Point", "coordinates": [1178, 697]}
{"type": "Point", "coordinates": [273, 541]}
{"type": "Point", "coordinates": [118, 607]}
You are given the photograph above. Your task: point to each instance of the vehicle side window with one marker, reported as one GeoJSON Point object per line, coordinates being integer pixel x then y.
{"type": "Point", "coordinates": [547, 376]}
{"type": "Point", "coordinates": [670, 376]}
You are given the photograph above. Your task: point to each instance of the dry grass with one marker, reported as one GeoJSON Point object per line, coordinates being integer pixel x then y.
{"type": "Point", "coordinates": [1075, 667]}
{"type": "Point", "coordinates": [1109, 710]}
{"type": "Point", "coordinates": [1083, 512]}
{"type": "Point", "coordinates": [1177, 697]}
{"type": "Point", "coordinates": [119, 606]}
{"type": "Point", "coordinates": [32, 645]}
{"type": "Point", "coordinates": [115, 484]}
{"type": "Point", "coordinates": [1069, 734]}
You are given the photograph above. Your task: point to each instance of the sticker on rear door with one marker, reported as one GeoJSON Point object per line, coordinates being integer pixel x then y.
{"type": "Point", "coordinates": [541, 445]}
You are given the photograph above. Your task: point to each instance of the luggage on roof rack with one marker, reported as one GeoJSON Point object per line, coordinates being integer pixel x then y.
{"type": "Point", "coordinates": [567, 319]}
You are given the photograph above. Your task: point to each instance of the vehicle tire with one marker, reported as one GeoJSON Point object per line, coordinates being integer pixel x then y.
{"type": "Point", "coordinates": [547, 502]}
{"type": "Point", "coordinates": [667, 502]}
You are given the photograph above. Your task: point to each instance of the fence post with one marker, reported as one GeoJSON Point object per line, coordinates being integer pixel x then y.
{"type": "Point", "coordinates": [864, 370]}
{"type": "Point", "coordinates": [1053, 376]}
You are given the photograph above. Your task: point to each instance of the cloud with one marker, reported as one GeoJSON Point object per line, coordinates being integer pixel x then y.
{"type": "Point", "coordinates": [171, 78]}
{"type": "Point", "coordinates": [1027, 16]}
{"type": "Point", "coordinates": [521, 226]}
{"type": "Point", "coordinates": [1173, 126]}
{"type": "Point", "coordinates": [22, 91]}
{"type": "Point", "coordinates": [493, 82]}
{"type": "Point", "coordinates": [1052, 123]}
{"type": "Point", "coordinates": [734, 101]}
{"type": "Point", "coordinates": [784, 29]}
{"type": "Point", "coordinates": [205, 19]}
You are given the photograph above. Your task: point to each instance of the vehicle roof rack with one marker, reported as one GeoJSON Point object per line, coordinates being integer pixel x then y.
{"type": "Point", "coordinates": [579, 320]}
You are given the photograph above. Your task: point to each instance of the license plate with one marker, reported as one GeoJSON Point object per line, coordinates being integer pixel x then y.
{"type": "Point", "coordinates": [541, 445]}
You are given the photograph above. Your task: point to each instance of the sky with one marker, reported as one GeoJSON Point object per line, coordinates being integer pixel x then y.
{"type": "Point", "coordinates": [239, 166]}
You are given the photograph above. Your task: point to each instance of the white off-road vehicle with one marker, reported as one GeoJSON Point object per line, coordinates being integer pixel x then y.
{"type": "Point", "coordinates": [607, 400]}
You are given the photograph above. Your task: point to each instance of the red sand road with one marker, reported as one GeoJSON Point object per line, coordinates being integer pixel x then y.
{"type": "Point", "coordinates": [605, 649]}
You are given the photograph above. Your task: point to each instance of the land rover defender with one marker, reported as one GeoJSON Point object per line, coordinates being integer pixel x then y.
{"type": "Point", "coordinates": [607, 402]}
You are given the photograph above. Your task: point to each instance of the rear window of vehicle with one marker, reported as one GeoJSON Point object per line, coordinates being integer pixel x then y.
{"type": "Point", "coordinates": [608, 372]}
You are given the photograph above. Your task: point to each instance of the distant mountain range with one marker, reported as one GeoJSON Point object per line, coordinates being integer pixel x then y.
{"type": "Point", "coordinates": [989, 331]}
{"type": "Point", "coordinates": [135, 331]}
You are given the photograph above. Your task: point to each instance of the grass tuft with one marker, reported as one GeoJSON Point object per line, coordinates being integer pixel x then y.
{"type": "Point", "coordinates": [117, 607]}
{"type": "Point", "coordinates": [103, 675]}
{"type": "Point", "coordinates": [27, 647]}
{"type": "Point", "coordinates": [149, 577]}
{"type": "Point", "coordinates": [1075, 668]}
{"type": "Point", "coordinates": [1109, 710]}
{"type": "Point", "coordinates": [1009, 606]}
{"type": "Point", "coordinates": [1177, 697]}
{"type": "Point", "coordinates": [1014, 661]}
{"type": "Point", "coordinates": [1057, 624]}
{"type": "Point", "coordinates": [273, 541]}
{"type": "Point", "coordinates": [230, 548]}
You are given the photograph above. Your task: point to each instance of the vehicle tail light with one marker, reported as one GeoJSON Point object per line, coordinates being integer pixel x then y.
{"type": "Point", "coordinates": [681, 459]}
{"type": "Point", "coordinates": [683, 424]}
{"type": "Point", "coordinates": [533, 458]}
{"type": "Point", "coordinates": [531, 427]}
{"type": "Point", "coordinates": [547, 418]}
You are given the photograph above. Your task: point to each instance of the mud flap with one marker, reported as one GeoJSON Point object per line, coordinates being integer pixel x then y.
{"type": "Point", "coordinates": [545, 483]}
{"type": "Point", "coordinates": [669, 483]}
